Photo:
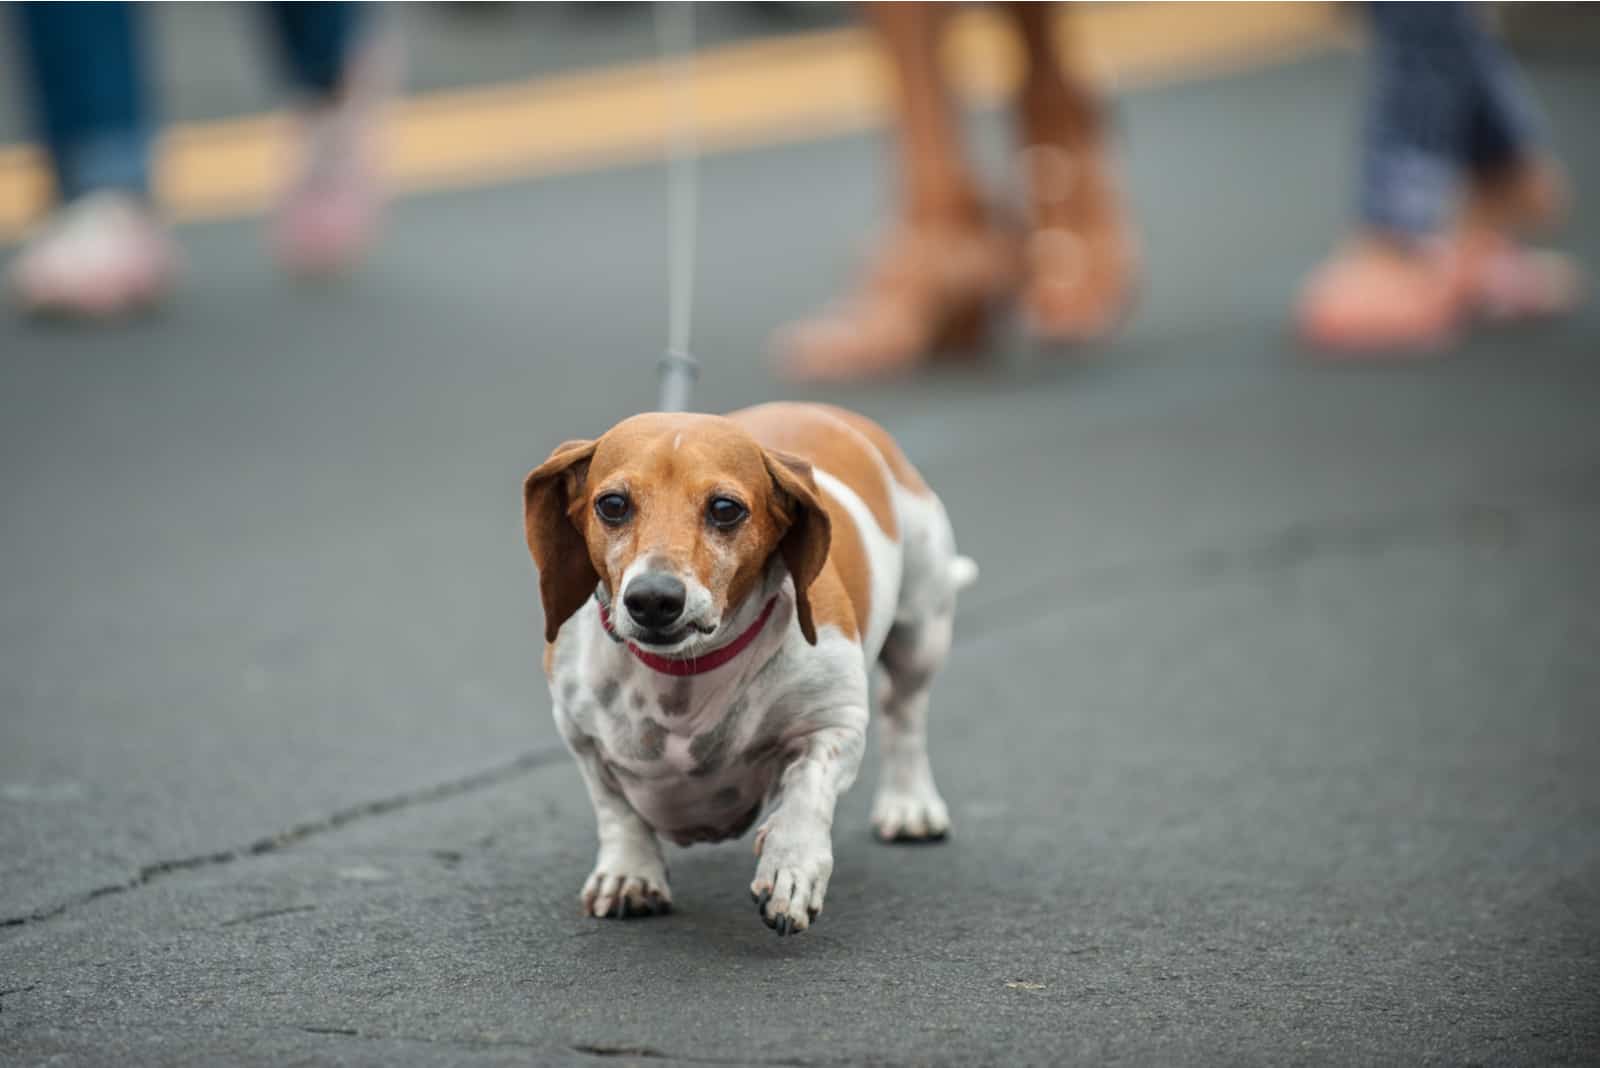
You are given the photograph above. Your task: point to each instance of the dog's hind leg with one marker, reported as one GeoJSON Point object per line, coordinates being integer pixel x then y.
{"type": "Point", "coordinates": [908, 806]}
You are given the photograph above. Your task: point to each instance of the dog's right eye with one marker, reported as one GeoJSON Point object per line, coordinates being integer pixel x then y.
{"type": "Point", "coordinates": [612, 508]}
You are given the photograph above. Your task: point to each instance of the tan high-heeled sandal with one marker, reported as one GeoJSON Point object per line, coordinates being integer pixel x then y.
{"type": "Point", "coordinates": [1081, 259]}
{"type": "Point", "coordinates": [930, 291]}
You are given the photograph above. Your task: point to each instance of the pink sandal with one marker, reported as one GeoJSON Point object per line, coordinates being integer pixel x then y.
{"type": "Point", "coordinates": [1507, 282]}
{"type": "Point", "coordinates": [329, 215]}
{"type": "Point", "coordinates": [1376, 296]}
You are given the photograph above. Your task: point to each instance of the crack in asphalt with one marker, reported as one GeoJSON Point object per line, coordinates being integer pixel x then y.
{"type": "Point", "coordinates": [266, 914]}
{"type": "Point", "coordinates": [15, 990]}
{"type": "Point", "coordinates": [272, 843]}
{"type": "Point", "coordinates": [626, 1050]}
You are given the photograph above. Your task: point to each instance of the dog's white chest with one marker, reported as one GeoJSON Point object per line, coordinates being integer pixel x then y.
{"type": "Point", "coordinates": [697, 756]}
{"type": "Point", "coordinates": [693, 758]}
{"type": "Point", "coordinates": [693, 776]}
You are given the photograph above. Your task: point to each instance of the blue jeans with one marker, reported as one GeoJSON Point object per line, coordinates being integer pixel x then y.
{"type": "Point", "coordinates": [1446, 101]}
{"type": "Point", "coordinates": [91, 95]}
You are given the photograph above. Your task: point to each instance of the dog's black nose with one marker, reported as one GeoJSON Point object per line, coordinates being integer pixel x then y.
{"type": "Point", "coordinates": [654, 601]}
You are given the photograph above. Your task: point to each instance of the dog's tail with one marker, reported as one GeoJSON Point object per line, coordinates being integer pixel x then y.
{"type": "Point", "coordinates": [963, 572]}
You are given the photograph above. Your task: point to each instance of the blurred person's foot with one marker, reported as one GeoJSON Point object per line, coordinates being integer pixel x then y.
{"type": "Point", "coordinates": [1506, 281]}
{"type": "Point", "coordinates": [1509, 282]}
{"type": "Point", "coordinates": [931, 289]}
{"type": "Point", "coordinates": [1081, 258]}
{"type": "Point", "coordinates": [1532, 196]}
{"type": "Point", "coordinates": [1386, 295]}
{"type": "Point", "coordinates": [101, 256]}
{"type": "Point", "coordinates": [329, 214]}
{"type": "Point", "coordinates": [1382, 294]}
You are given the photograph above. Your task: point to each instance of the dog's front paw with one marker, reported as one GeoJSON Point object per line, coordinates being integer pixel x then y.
{"type": "Point", "coordinates": [792, 875]}
{"type": "Point", "coordinates": [621, 890]}
{"type": "Point", "coordinates": [914, 815]}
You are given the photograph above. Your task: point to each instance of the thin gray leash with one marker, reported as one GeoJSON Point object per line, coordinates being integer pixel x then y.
{"type": "Point", "coordinates": [675, 36]}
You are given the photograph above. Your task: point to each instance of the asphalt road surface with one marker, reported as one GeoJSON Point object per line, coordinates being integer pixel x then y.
{"type": "Point", "coordinates": [1270, 734]}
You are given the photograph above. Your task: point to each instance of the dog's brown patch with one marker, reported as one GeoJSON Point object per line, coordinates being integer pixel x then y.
{"type": "Point", "coordinates": [818, 435]}
{"type": "Point", "coordinates": [900, 467]}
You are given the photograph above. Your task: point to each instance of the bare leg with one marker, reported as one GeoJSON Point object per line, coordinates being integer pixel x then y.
{"type": "Point", "coordinates": [944, 264]}
{"type": "Point", "coordinates": [937, 184]}
{"type": "Point", "coordinates": [1082, 256]}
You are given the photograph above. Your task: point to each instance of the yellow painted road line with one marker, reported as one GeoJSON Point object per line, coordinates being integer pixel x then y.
{"type": "Point", "coordinates": [759, 93]}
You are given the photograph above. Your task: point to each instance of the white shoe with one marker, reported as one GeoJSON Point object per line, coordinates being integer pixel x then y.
{"type": "Point", "coordinates": [103, 255]}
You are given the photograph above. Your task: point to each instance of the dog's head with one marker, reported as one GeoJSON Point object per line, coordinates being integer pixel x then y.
{"type": "Point", "coordinates": [676, 516]}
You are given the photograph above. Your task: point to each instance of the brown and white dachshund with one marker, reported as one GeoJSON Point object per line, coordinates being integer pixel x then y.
{"type": "Point", "coordinates": [716, 592]}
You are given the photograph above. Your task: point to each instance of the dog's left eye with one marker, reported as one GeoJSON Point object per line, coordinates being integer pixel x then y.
{"type": "Point", "coordinates": [613, 508]}
{"type": "Point", "coordinates": [725, 512]}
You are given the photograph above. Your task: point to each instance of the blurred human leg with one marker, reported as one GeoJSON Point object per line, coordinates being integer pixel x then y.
{"type": "Point", "coordinates": [1081, 257]}
{"type": "Point", "coordinates": [89, 94]}
{"type": "Point", "coordinates": [315, 42]}
{"type": "Point", "coordinates": [1445, 113]}
{"type": "Point", "coordinates": [937, 183]}
{"type": "Point", "coordinates": [102, 252]}
{"type": "Point", "coordinates": [329, 212]}
{"type": "Point", "coordinates": [935, 278]}
{"type": "Point", "coordinates": [1393, 284]}
{"type": "Point", "coordinates": [1514, 186]}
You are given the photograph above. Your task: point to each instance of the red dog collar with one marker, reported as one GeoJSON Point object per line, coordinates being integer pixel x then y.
{"type": "Point", "coordinates": [693, 665]}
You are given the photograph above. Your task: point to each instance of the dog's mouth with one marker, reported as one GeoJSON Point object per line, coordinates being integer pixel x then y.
{"type": "Point", "coordinates": [671, 641]}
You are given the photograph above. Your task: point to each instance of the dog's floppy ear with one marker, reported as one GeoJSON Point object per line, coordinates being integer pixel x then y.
{"type": "Point", "coordinates": [807, 530]}
{"type": "Point", "coordinates": [567, 578]}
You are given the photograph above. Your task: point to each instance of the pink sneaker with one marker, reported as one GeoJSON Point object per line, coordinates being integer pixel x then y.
{"type": "Point", "coordinates": [329, 214]}
{"type": "Point", "coordinates": [101, 256]}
